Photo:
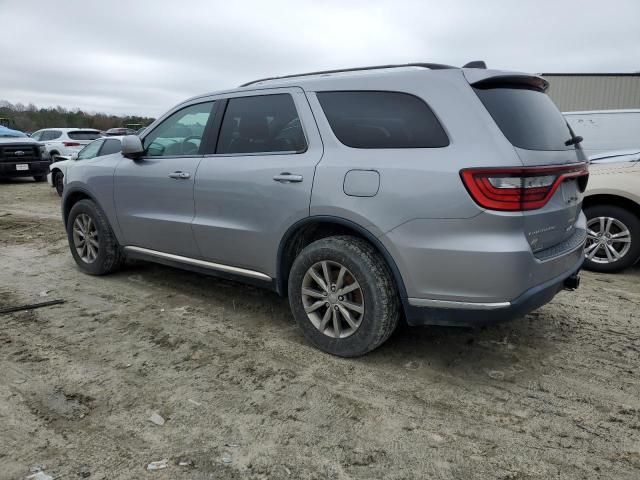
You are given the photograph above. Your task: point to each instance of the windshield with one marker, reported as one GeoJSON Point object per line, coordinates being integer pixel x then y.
{"type": "Point", "coordinates": [8, 133]}
{"type": "Point", "coordinates": [527, 117]}
{"type": "Point", "coordinates": [90, 151]}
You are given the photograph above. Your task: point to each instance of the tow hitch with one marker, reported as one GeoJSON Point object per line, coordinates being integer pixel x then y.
{"type": "Point", "coordinates": [572, 282]}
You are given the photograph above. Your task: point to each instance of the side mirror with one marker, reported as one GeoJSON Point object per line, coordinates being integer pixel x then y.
{"type": "Point", "coordinates": [73, 156]}
{"type": "Point", "coordinates": [132, 147]}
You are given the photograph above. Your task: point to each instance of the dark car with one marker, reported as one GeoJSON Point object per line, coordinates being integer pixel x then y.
{"type": "Point", "coordinates": [21, 156]}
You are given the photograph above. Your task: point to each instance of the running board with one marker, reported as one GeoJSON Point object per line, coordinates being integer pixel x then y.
{"type": "Point", "coordinates": [199, 263]}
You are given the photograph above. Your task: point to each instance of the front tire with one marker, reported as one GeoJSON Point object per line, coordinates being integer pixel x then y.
{"type": "Point", "coordinates": [58, 182]}
{"type": "Point", "coordinates": [93, 245]}
{"type": "Point", "coordinates": [613, 238]}
{"type": "Point", "coordinates": [40, 178]}
{"type": "Point", "coordinates": [342, 296]}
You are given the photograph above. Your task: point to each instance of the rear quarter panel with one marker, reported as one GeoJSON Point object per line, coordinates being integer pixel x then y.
{"type": "Point", "coordinates": [414, 182]}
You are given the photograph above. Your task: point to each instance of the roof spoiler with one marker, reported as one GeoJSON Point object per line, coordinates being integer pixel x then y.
{"type": "Point", "coordinates": [475, 64]}
{"type": "Point", "coordinates": [531, 81]}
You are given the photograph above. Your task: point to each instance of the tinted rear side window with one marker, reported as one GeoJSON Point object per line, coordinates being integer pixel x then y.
{"type": "Point", "coordinates": [527, 117]}
{"type": "Point", "coordinates": [263, 123]}
{"type": "Point", "coordinates": [83, 135]}
{"type": "Point", "coordinates": [369, 119]}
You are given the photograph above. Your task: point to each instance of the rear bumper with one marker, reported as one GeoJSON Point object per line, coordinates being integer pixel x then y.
{"type": "Point", "coordinates": [469, 314]}
{"type": "Point", "coordinates": [478, 270]}
{"type": "Point", "coordinates": [8, 169]}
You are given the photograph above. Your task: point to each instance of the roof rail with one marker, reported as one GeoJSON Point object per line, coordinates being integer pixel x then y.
{"type": "Point", "coordinates": [432, 66]}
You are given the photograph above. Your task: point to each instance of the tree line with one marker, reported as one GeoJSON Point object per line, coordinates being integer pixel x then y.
{"type": "Point", "coordinates": [29, 118]}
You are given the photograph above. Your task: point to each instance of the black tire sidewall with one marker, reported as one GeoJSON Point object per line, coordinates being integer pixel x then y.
{"type": "Point", "coordinates": [368, 335]}
{"type": "Point", "coordinates": [631, 221]}
{"type": "Point", "coordinates": [106, 245]}
{"type": "Point", "coordinates": [58, 177]}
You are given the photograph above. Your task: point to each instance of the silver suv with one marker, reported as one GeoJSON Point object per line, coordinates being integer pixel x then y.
{"type": "Point", "coordinates": [448, 196]}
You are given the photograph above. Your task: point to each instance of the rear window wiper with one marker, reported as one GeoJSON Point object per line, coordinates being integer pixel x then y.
{"type": "Point", "coordinates": [576, 139]}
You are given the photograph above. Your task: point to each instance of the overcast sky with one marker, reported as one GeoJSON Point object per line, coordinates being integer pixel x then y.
{"type": "Point", "coordinates": [142, 57]}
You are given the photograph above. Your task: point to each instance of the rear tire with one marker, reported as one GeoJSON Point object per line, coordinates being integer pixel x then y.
{"type": "Point", "coordinates": [58, 182]}
{"type": "Point", "coordinates": [367, 311]}
{"type": "Point", "coordinates": [93, 245]}
{"type": "Point", "coordinates": [40, 178]}
{"type": "Point", "coordinates": [615, 222]}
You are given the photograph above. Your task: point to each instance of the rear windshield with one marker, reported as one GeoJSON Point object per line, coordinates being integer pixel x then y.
{"type": "Point", "coordinates": [527, 117]}
{"type": "Point", "coordinates": [83, 135]}
{"type": "Point", "coordinates": [370, 119]}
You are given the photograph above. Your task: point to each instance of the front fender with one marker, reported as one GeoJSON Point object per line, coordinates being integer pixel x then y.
{"type": "Point", "coordinates": [92, 179]}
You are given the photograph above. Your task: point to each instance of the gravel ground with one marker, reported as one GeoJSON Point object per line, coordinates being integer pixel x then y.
{"type": "Point", "coordinates": [552, 395]}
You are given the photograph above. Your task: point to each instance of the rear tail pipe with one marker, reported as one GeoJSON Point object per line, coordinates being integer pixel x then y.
{"type": "Point", "coordinates": [572, 282]}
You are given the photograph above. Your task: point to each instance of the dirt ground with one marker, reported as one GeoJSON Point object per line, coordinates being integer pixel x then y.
{"type": "Point", "coordinates": [552, 395]}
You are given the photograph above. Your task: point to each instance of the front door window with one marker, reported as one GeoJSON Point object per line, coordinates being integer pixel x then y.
{"type": "Point", "coordinates": [180, 134]}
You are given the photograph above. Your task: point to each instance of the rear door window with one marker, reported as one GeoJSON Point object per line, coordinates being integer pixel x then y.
{"type": "Point", "coordinates": [263, 123]}
{"type": "Point", "coordinates": [84, 135]}
{"type": "Point", "coordinates": [49, 135]}
{"type": "Point", "coordinates": [527, 117]}
{"type": "Point", "coordinates": [372, 119]}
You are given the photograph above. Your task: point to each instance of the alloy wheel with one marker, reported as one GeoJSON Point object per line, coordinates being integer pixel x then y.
{"type": "Point", "coordinates": [608, 240]}
{"type": "Point", "coordinates": [85, 238]}
{"type": "Point", "coordinates": [332, 299]}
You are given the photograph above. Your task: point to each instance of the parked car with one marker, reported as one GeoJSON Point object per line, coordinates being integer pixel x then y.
{"type": "Point", "coordinates": [612, 207]}
{"type": "Point", "coordinates": [22, 156]}
{"type": "Point", "coordinates": [606, 131]}
{"type": "Point", "coordinates": [65, 141]}
{"type": "Point", "coordinates": [616, 156]}
{"type": "Point", "coordinates": [97, 148]}
{"type": "Point", "coordinates": [119, 132]}
{"type": "Point", "coordinates": [448, 196]}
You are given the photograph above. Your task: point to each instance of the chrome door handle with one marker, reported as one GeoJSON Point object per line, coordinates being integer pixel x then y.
{"type": "Point", "coordinates": [286, 177]}
{"type": "Point", "coordinates": [179, 175]}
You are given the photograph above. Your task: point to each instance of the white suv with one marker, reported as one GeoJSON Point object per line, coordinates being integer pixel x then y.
{"type": "Point", "coordinates": [65, 141]}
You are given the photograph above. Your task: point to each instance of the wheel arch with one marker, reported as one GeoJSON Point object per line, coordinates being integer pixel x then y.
{"type": "Point", "coordinates": [71, 198]}
{"type": "Point", "coordinates": [310, 229]}
{"type": "Point", "coordinates": [611, 199]}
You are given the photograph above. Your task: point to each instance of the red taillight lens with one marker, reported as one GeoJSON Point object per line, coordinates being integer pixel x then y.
{"type": "Point", "coordinates": [520, 188]}
{"type": "Point", "coordinates": [71, 144]}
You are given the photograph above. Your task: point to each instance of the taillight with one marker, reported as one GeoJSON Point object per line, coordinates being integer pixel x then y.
{"type": "Point", "coordinates": [71, 144]}
{"type": "Point", "coordinates": [520, 188]}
